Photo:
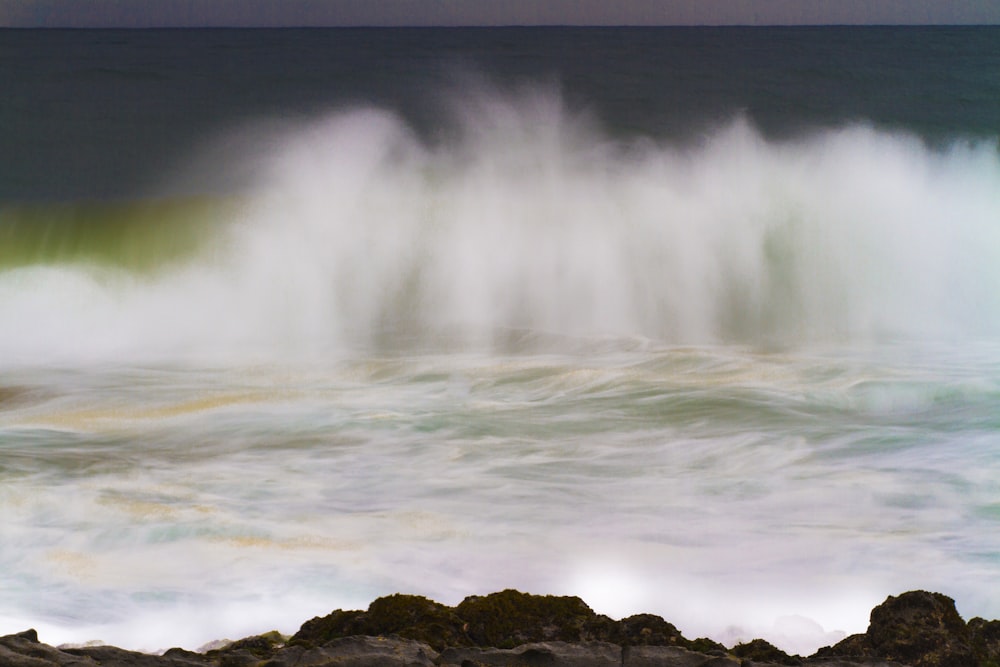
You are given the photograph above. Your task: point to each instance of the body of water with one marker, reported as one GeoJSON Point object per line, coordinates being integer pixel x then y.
{"type": "Point", "coordinates": [701, 322]}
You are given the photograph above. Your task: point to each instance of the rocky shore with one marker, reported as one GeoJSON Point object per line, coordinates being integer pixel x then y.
{"type": "Point", "coordinates": [915, 629]}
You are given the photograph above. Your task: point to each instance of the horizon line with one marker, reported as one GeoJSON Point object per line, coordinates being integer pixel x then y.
{"type": "Point", "coordinates": [370, 26]}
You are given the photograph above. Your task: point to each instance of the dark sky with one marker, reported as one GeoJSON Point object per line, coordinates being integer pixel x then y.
{"type": "Point", "coordinates": [143, 13]}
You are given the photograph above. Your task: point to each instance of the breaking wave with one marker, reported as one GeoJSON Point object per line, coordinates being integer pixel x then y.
{"type": "Point", "coordinates": [522, 219]}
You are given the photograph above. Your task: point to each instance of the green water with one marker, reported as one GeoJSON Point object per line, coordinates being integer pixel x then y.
{"type": "Point", "coordinates": [141, 236]}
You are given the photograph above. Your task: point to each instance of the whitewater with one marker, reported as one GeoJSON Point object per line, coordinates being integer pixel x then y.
{"type": "Point", "coordinates": [528, 219]}
{"type": "Point", "coordinates": [749, 383]}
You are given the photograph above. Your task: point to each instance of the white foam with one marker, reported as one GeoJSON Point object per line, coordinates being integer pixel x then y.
{"type": "Point", "coordinates": [529, 218]}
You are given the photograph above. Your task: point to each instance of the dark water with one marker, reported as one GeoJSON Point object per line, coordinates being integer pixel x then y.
{"type": "Point", "coordinates": [105, 113]}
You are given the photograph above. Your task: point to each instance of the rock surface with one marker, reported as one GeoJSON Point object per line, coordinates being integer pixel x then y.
{"type": "Point", "coordinates": [920, 629]}
{"type": "Point", "coordinates": [915, 629]}
{"type": "Point", "coordinates": [544, 654]}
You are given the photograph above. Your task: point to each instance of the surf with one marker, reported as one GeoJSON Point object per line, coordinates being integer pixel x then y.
{"type": "Point", "coordinates": [521, 215]}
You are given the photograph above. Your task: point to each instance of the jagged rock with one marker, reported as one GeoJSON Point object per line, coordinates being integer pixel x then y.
{"type": "Point", "coordinates": [650, 630]}
{"type": "Point", "coordinates": [543, 654]}
{"type": "Point", "coordinates": [853, 646]}
{"type": "Point", "coordinates": [260, 645]}
{"type": "Point", "coordinates": [511, 618]}
{"type": "Point", "coordinates": [408, 616]}
{"type": "Point", "coordinates": [248, 651]}
{"type": "Point", "coordinates": [706, 645]}
{"type": "Point", "coordinates": [501, 620]}
{"type": "Point", "coordinates": [763, 651]}
{"type": "Point", "coordinates": [917, 628]}
{"type": "Point", "coordinates": [985, 640]}
{"type": "Point", "coordinates": [336, 624]}
{"type": "Point", "coordinates": [923, 628]}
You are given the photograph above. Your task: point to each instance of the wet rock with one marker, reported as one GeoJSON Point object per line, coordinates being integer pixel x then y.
{"type": "Point", "coordinates": [542, 654]}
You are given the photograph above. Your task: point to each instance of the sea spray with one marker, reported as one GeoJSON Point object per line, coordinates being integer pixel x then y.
{"type": "Point", "coordinates": [524, 218]}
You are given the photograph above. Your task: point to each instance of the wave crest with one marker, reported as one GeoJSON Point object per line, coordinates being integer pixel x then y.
{"type": "Point", "coordinates": [523, 216]}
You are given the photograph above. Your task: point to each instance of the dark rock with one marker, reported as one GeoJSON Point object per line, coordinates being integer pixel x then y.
{"type": "Point", "coordinates": [293, 655]}
{"type": "Point", "coordinates": [247, 651]}
{"type": "Point", "coordinates": [762, 651]}
{"type": "Point", "coordinates": [415, 617]}
{"type": "Point", "coordinates": [238, 658]}
{"type": "Point", "coordinates": [922, 628]}
{"type": "Point", "coordinates": [853, 646]}
{"type": "Point", "coordinates": [357, 652]}
{"type": "Point", "coordinates": [511, 618]}
{"type": "Point", "coordinates": [501, 620]}
{"type": "Point", "coordinates": [848, 662]}
{"type": "Point", "coordinates": [650, 630]}
{"type": "Point", "coordinates": [10, 658]}
{"type": "Point", "coordinates": [180, 653]}
{"type": "Point", "coordinates": [915, 629]}
{"type": "Point", "coordinates": [918, 628]}
{"type": "Point", "coordinates": [260, 645]}
{"type": "Point", "coordinates": [336, 624]}
{"type": "Point", "coordinates": [24, 650]}
{"type": "Point", "coordinates": [706, 645]}
{"type": "Point", "coordinates": [673, 656]}
{"type": "Point", "coordinates": [30, 634]}
{"type": "Point", "coordinates": [985, 639]}
{"type": "Point", "coordinates": [409, 616]}
{"type": "Point", "coordinates": [112, 656]}
{"type": "Point", "coordinates": [543, 654]}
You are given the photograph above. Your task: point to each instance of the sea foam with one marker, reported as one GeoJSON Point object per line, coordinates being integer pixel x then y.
{"type": "Point", "coordinates": [519, 214]}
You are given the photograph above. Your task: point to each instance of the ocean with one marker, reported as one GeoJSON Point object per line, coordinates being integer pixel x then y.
{"type": "Point", "coordinates": [701, 322]}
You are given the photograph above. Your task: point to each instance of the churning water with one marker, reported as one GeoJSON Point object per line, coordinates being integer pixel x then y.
{"type": "Point", "coordinates": [745, 379]}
